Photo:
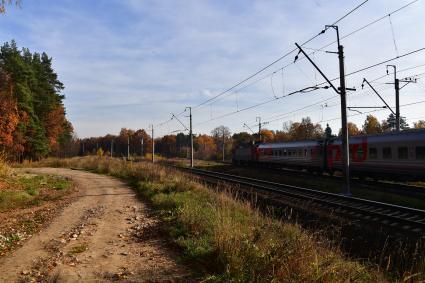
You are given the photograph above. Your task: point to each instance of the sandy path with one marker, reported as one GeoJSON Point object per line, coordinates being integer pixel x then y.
{"type": "Point", "coordinates": [106, 234]}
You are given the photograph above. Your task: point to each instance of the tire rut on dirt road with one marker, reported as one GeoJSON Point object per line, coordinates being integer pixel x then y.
{"type": "Point", "coordinates": [106, 234]}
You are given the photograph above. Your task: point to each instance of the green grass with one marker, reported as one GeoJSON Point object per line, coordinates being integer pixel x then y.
{"type": "Point", "coordinates": [24, 190]}
{"type": "Point", "coordinates": [228, 240]}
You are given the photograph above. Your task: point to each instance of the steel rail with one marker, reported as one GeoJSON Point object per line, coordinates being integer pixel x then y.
{"type": "Point", "coordinates": [408, 219]}
{"type": "Point", "coordinates": [385, 186]}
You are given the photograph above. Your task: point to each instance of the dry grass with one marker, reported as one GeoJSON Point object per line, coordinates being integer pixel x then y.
{"type": "Point", "coordinates": [228, 239]}
{"type": "Point", "coordinates": [5, 170]}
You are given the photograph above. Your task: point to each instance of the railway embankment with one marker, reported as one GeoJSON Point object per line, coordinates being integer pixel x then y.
{"type": "Point", "coordinates": [382, 191]}
{"type": "Point", "coordinates": [225, 238]}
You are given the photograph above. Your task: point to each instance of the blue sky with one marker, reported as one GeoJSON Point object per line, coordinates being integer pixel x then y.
{"type": "Point", "coordinates": [130, 63]}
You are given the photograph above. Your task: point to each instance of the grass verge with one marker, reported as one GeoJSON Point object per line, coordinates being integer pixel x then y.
{"type": "Point", "coordinates": [27, 202]}
{"type": "Point", "coordinates": [227, 239]}
{"type": "Point", "coordinates": [25, 190]}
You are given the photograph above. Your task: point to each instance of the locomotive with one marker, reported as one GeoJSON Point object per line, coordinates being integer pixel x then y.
{"type": "Point", "coordinates": [395, 155]}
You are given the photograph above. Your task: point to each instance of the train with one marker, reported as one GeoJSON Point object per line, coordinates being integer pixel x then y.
{"type": "Point", "coordinates": [394, 155]}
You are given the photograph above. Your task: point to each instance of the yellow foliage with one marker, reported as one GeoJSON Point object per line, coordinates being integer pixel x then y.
{"type": "Point", "coordinates": [100, 152]}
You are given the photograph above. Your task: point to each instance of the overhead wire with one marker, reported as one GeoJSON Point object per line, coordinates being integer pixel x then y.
{"type": "Point", "coordinates": [290, 52]}
{"type": "Point", "coordinates": [385, 86]}
{"type": "Point", "coordinates": [305, 89]}
{"type": "Point", "coordinates": [393, 34]}
{"type": "Point", "coordinates": [284, 115]}
{"type": "Point", "coordinates": [277, 60]}
{"type": "Point", "coordinates": [324, 46]}
{"type": "Point", "coordinates": [377, 110]}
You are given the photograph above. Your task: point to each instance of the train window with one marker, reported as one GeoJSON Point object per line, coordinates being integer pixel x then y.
{"type": "Point", "coordinates": [386, 153]}
{"type": "Point", "coordinates": [284, 152]}
{"type": "Point", "coordinates": [300, 152]}
{"type": "Point", "coordinates": [360, 153]}
{"type": "Point", "coordinates": [420, 152]}
{"type": "Point", "coordinates": [402, 152]}
{"type": "Point", "coordinates": [373, 153]}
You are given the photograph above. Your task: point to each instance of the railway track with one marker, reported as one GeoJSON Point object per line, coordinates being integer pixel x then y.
{"type": "Point", "coordinates": [403, 219]}
{"type": "Point", "coordinates": [375, 185]}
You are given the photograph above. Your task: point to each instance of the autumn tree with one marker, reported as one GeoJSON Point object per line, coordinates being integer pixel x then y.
{"type": "Point", "coordinates": [371, 125]}
{"type": "Point", "coordinates": [119, 142]}
{"type": "Point", "coordinates": [282, 136]}
{"type": "Point", "coordinates": [34, 95]}
{"type": "Point", "coordinates": [241, 139]}
{"type": "Point", "coordinates": [353, 130]}
{"type": "Point", "coordinates": [221, 135]}
{"type": "Point", "coordinates": [205, 147]}
{"type": "Point", "coordinates": [183, 145]}
{"type": "Point", "coordinates": [390, 124]}
{"type": "Point", "coordinates": [419, 124]}
{"type": "Point", "coordinates": [305, 130]}
{"type": "Point", "coordinates": [166, 146]}
{"type": "Point", "coordinates": [267, 135]}
{"type": "Point", "coordinates": [8, 113]}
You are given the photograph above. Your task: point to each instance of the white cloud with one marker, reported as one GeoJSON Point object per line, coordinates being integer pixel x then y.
{"type": "Point", "coordinates": [131, 63]}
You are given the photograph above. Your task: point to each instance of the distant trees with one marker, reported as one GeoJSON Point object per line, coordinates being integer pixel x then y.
{"type": "Point", "coordinates": [389, 124]}
{"type": "Point", "coordinates": [353, 130]}
{"type": "Point", "coordinates": [118, 143]}
{"type": "Point", "coordinates": [222, 138]}
{"type": "Point", "coordinates": [33, 122]}
{"type": "Point", "coordinates": [210, 147]}
{"type": "Point", "coordinates": [305, 130]}
{"type": "Point", "coordinates": [241, 139]}
{"type": "Point", "coordinates": [371, 125]}
{"type": "Point", "coordinates": [205, 147]}
{"type": "Point", "coordinates": [419, 124]}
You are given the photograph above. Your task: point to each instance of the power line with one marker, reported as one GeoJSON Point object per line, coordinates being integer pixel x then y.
{"type": "Point", "coordinates": [373, 111]}
{"type": "Point", "coordinates": [277, 60]}
{"type": "Point", "coordinates": [169, 120]}
{"type": "Point", "coordinates": [356, 30]}
{"type": "Point", "coordinates": [366, 91]}
{"type": "Point", "coordinates": [290, 52]}
{"type": "Point", "coordinates": [308, 89]}
{"type": "Point", "coordinates": [321, 48]}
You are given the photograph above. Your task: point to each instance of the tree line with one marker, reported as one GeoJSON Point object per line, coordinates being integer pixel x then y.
{"type": "Point", "coordinates": [33, 123]}
{"type": "Point", "coordinates": [221, 141]}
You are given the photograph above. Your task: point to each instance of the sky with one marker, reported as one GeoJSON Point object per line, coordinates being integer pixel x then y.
{"type": "Point", "coordinates": [132, 63]}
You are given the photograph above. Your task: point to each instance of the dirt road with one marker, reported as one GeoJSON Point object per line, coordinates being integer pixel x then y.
{"type": "Point", "coordinates": [106, 234]}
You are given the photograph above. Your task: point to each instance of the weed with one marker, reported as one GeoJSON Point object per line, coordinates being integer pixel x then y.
{"type": "Point", "coordinates": [78, 249]}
